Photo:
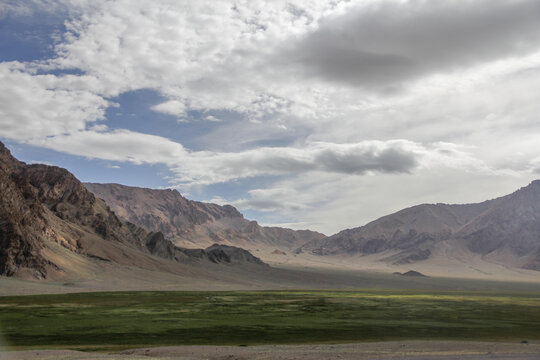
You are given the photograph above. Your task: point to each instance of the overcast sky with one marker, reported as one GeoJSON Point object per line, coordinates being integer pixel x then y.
{"type": "Point", "coordinates": [303, 113]}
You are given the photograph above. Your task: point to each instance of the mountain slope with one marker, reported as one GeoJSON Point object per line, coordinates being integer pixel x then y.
{"type": "Point", "coordinates": [505, 230]}
{"type": "Point", "coordinates": [23, 223]}
{"type": "Point", "coordinates": [192, 223]}
{"type": "Point", "coordinates": [52, 226]}
{"type": "Point", "coordinates": [512, 227]}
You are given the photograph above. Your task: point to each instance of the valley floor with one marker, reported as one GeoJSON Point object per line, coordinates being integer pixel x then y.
{"type": "Point", "coordinates": [117, 321]}
{"type": "Point", "coordinates": [404, 350]}
{"type": "Point", "coordinates": [110, 277]}
{"type": "Point", "coordinates": [394, 317]}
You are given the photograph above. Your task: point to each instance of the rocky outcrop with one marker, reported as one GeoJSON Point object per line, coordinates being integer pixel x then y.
{"type": "Point", "coordinates": [231, 254]}
{"type": "Point", "coordinates": [159, 246]}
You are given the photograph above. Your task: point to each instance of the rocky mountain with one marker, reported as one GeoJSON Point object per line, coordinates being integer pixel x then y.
{"type": "Point", "coordinates": [505, 229]}
{"type": "Point", "coordinates": [50, 224]}
{"type": "Point", "coordinates": [24, 226]}
{"type": "Point", "coordinates": [192, 223]}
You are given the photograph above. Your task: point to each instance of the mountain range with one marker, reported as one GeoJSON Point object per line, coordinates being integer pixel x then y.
{"type": "Point", "coordinates": [504, 230]}
{"type": "Point", "coordinates": [192, 223]}
{"type": "Point", "coordinates": [53, 226]}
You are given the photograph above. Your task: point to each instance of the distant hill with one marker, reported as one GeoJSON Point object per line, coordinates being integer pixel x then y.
{"type": "Point", "coordinates": [51, 226]}
{"type": "Point", "coordinates": [505, 230]}
{"type": "Point", "coordinates": [192, 223]}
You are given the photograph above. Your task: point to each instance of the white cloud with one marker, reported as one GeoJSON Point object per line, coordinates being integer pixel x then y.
{"type": "Point", "coordinates": [37, 106]}
{"type": "Point", "coordinates": [15, 8]}
{"type": "Point", "coordinates": [118, 145]}
{"type": "Point", "coordinates": [460, 95]}
{"type": "Point", "coordinates": [205, 167]}
{"type": "Point", "coordinates": [40, 162]}
{"type": "Point", "coordinates": [272, 199]}
{"type": "Point", "coordinates": [29, 7]}
{"type": "Point", "coordinates": [212, 118]}
{"type": "Point", "coordinates": [333, 202]}
{"type": "Point", "coordinates": [172, 107]}
{"type": "Point", "coordinates": [393, 156]}
{"type": "Point", "coordinates": [208, 53]}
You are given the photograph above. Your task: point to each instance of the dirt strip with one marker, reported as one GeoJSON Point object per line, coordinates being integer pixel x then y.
{"type": "Point", "coordinates": [406, 350]}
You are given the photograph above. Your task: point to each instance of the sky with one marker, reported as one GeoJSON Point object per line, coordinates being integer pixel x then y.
{"type": "Point", "coordinates": [301, 113]}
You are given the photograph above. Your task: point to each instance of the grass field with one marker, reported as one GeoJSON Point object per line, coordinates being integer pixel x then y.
{"type": "Point", "coordinates": [100, 321]}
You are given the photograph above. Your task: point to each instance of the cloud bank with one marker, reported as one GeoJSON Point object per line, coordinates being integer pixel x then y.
{"type": "Point", "coordinates": [386, 43]}
{"type": "Point", "coordinates": [317, 94]}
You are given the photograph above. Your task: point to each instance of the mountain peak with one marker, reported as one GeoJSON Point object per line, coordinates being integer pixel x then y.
{"type": "Point", "coordinates": [529, 193]}
{"type": "Point", "coordinates": [7, 161]}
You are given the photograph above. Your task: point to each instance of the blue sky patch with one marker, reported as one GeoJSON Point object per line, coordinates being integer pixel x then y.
{"type": "Point", "coordinates": [29, 38]}
{"type": "Point", "coordinates": [94, 170]}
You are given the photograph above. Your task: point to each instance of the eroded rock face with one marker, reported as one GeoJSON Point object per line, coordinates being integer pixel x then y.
{"type": "Point", "coordinates": [23, 223]}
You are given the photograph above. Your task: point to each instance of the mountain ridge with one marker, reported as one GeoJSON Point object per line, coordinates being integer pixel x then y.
{"type": "Point", "coordinates": [46, 211]}
{"type": "Point", "coordinates": [508, 226]}
{"type": "Point", "coordinates": [49, 221]}
{"type": "Point", "coordinates": [193, 223]}
{"type": "Point", "coordinates": [411, 235]}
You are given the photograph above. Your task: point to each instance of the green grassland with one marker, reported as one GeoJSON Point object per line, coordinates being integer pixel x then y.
{"type": "Point", "coordinates": [115, 320]}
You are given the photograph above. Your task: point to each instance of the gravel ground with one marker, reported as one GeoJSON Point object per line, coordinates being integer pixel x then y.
{"type": "Point", "coordinates": [443, 350]}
